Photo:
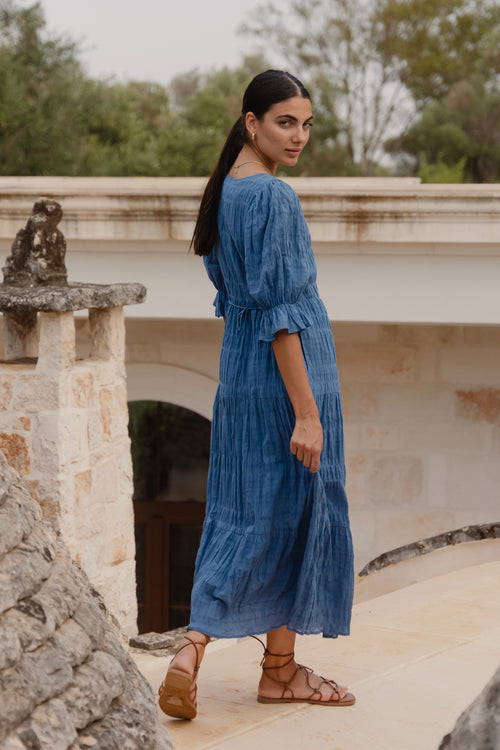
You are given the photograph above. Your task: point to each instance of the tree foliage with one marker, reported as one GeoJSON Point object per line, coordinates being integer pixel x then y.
{"type": "Point", "coordinates": [463, 128]}
{"type": "Point", "coordinates": [385, 61]}
{"type": "Point", "coordinates": [416, 79]}
{"type": "Point", "coordinates": [435, 44]}
{"type": "Point", "coordinates": [40, 80]}
{"type": "Point", "coordinates": [335, 43]}
{"type": "Point", "coordinates": [56, 120]}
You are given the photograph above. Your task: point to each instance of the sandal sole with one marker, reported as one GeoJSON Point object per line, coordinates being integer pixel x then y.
{"type": "Point", "coordinates": [312, 701]}
{"type": "Point", "coordinates": [174, 696]}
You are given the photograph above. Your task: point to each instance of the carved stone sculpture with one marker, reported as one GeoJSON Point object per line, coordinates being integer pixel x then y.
{"type": "Point", "coordinates": [38, 251]}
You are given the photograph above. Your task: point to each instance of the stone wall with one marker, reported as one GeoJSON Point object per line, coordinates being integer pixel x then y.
{"type": "Point", "coordinates": [63, 427]}
{"type": "Point", "coordinates": [422, 426]}
{"type": "Point", "coordinates": [421, 409]}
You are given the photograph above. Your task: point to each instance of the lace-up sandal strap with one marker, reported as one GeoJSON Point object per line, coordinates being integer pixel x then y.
{"type": "Point", "coordinates": [195, 644]}
{"type": "Point", "coordinates": [285, 684]}
{"type": "Point", "coordinates": [316, 691]}
{"type": "Point", "coordinates": [276, 656]}
{"type": "Point", "coordinates": [316, 694]}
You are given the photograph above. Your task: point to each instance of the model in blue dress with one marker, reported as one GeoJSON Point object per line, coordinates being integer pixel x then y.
{"type": "Point", "coordinates": [276, 547]}
{"type": "Point", "coordinates": [276, 552]}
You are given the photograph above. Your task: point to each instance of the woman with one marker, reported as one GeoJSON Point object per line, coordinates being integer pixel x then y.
{"type": "Point", "coordinates": [276, 553]}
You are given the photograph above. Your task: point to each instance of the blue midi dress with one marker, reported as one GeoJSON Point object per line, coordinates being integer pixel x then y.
{"type": "Point", "coordinates": [276, 546]}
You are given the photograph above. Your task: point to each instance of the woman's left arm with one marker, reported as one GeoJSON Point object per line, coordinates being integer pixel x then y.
{"type": "Point", "coordinates": [307, 438]}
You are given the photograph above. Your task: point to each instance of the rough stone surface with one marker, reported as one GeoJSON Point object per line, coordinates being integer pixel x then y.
{"type": "Point", "coordinates": [153, 641]}
{"type": "Point", "coordinates": [64, 427]}
{"type": "Point", "coordinates": [66, 682]}
{"type": "Point", "coordinates": [424, 546]}
{"type": "Point", "coordinates": [73, 297]}
{"type": "Point", "coordinates": [478, 728]}
{"type": "Point", "coordinates": [38, 251]}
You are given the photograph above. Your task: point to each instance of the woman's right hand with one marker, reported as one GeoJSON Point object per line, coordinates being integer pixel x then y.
{"type": "Point", "coordinates": [306, 442]}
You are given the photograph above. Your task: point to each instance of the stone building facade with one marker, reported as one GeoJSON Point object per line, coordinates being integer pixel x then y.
{"type": "Point", "coordinates": [421, 415]}
{"type": "Point", "coordinates": [409, 274]}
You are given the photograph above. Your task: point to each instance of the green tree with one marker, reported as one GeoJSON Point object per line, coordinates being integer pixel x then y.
{"type": "Point", "coordinates": [435, 44]}
{"type": "Point", "coordinates": [448, 57]}
{"type": "Point", "coordinates": [333, 44]}
{"type": "Point", "coordinates": [384, 60]}
{"type": "Point", "coordinates": [56, 120]}
{"type": "Point", "coordinates": [123, 128]}
{"type": "Point", "coordinates": [204, 108]}
{"type": "Point", "coordinates": [40, 79]}
{"type": "Point", "coordinates": [462, 130]}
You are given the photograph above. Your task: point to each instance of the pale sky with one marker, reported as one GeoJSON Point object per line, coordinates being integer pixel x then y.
{"type": "Point", "coordinates": [152, 39]}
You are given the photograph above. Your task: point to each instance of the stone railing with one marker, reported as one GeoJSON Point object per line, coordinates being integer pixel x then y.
{"type": "Point", "coordinates": [388, 250]}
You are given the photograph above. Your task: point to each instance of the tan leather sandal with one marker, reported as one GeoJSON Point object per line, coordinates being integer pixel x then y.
{"type": "Point", "coordinates": [177, 687]}
{"type": "Point", "coordinates": [287, 694]}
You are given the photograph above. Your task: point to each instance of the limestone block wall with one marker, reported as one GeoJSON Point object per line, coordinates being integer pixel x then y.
{"type": "Point", "coordinates": [63, 427]}
{"type": "Point", "coordinates": [422, 427]}
{"type": "Point", "coordinates": [421, 410]}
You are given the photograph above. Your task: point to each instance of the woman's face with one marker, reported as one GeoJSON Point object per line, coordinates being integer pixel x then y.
{"type": "Point", "coordinates": [283, 131]}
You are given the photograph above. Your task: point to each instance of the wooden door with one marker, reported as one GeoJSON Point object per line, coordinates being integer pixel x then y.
{"type": "Point", "coordinates": [167, 539]}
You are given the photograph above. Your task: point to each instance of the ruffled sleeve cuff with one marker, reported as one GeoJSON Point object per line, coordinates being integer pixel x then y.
{"type": "Point", "coordinates": [293, 317]}
{"type": "Point", "coordinates": [220, 304]}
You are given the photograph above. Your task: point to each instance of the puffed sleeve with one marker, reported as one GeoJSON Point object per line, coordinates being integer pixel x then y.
{"type": "Point", "coordinates": [279, 262]}
{"type": "Point", "coordinates": [215, 276]}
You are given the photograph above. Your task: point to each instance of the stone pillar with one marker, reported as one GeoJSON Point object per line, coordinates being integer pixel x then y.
{"type": "Point", "coordinates": [64, 427]}
{"type": "Point", "coordinates": [56, 347]}
{"type": "Point", "coordinates": [64, 422]}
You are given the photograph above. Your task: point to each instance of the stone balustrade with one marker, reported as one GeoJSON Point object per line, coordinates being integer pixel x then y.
{"type": "Point", "coordinates": [409, 274]}
{"type": "Point", "coordinates": [389, 250]}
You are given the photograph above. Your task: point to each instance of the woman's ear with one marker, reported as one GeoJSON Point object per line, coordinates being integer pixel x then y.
{"type": "Point", "coordinates": [250, 123]}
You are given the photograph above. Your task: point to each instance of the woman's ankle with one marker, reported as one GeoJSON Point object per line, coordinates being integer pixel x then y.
{"type": "Point", "coordinates": [190, 652]}
{"type": "Point", "coordinates": [279, 670]}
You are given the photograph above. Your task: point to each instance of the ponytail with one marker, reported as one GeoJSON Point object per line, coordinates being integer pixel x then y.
{"type": "Point", "coordinates": [206, 231]}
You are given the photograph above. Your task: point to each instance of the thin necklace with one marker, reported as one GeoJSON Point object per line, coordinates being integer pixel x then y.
{"type": "Point", "coordinates": [252, 162]}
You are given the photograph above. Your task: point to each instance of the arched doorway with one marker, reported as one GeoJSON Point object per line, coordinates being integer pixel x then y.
{"type": "Point", "coordinates": [170, 450]}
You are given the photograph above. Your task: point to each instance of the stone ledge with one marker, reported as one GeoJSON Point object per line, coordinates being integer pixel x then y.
{"type": "Point", "coordinates": [424, 546]}
{"type": "Point", "coordinates": [67, 298]}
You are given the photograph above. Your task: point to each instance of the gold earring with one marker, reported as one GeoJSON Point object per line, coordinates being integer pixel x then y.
{"type": "Point", "coordinates": [253, 136]}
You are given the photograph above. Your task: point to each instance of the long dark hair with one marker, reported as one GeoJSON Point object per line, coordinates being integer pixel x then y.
{"type": "Point", "coordinates": [265, 90]}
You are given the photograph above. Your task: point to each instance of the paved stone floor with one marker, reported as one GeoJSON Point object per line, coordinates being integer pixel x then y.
{"type": "Point", "coordinates": [416, 658]}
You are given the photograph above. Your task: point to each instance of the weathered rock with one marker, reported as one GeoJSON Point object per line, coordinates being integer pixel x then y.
{"type": "Point", "coordinates": [24, 569]}
{"type": "Point", "coordinates": [89, 617]}
{"type": "Point", "coordinates": [49, 726]}
{"type": "Point", "coordinates": [478, 728]}
{"type": "Point", "coordinates": [11, 650]}
{"type": "Point", "coordinates": [29, 620]}
{"type": "Point", "coordinates": [65, 680]}
{"type": "Point", "coordinates": [72, 297]}
{"type": "Point", "coordinates": [16, 519]}
{"type": "Point", "coordinates": [38, 251]}
{"type": "Point", "coordinates": [7, 477]}
{"type": "Point", "coordinates": [72, 641]}
{"type": "Point", "coordinates": [61, 595]}
{"type": "Point", "coordinates": [152, 641]}
{"type": "Point", "coordinates": [96, 684]}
